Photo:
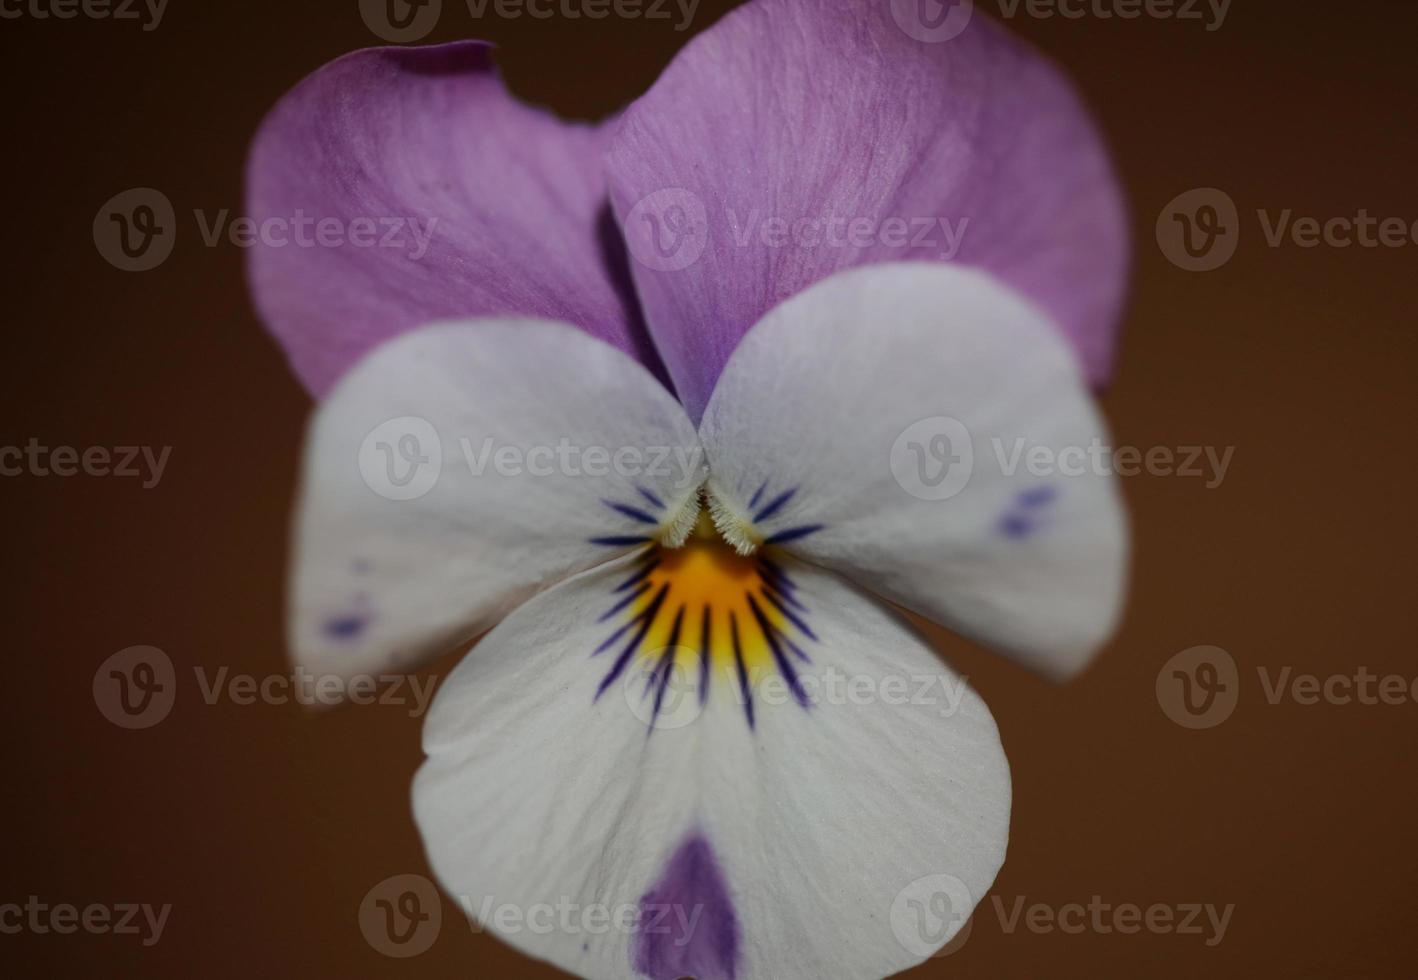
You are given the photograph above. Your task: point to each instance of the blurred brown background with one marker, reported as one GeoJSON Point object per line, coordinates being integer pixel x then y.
{"type": "Point", "coordinates": [265, 825]}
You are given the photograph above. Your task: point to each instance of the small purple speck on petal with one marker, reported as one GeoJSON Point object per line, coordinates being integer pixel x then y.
{"type": "Point", "coordinates": [1016, 526]}
{"type": "Point", "coordinates": [345, 627]}
{"type": "Point", "coordinates": [688, 927]}
{"type": "Point", "coordinates": [1023, 519]}
{"type": "Point", "coordinates": [1038, 496]}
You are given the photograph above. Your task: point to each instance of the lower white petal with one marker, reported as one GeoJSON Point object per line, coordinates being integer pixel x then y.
{"type": "Point", "coordinates": [463, 466]}
{"type": "Point", "coordinates": [663, 826]}
{"type": "Point", "coordinates": [926, 431]}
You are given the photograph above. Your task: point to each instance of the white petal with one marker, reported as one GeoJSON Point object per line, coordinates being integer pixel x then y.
{"type": "Point", "coordinates": [460, 468]}
{"type": "Point", "coordinates": [858, 392]}
{"type": "Point", "coordinates": [792, 848]}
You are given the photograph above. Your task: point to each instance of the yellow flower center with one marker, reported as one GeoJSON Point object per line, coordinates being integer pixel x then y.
{"type": "Point", "coordinates": [708, 611]}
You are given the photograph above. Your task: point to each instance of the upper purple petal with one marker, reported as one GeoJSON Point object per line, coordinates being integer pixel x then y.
{"type": "Point", "coordinates": [389, 136]}
{"type": "Point", "coordinates": [737, 177]}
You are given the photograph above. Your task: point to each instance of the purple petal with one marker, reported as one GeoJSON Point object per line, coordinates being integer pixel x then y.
{"type": "Point", "coordinates": [819, 113]}
{"type": "Point", "coordinates": [688, 925]}
{"type": "Point", "coordinates": [396, 138]}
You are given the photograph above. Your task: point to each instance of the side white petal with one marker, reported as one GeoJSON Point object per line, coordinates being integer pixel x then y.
{"type": "Point", "coordinates": [818, 842]}
{"type": "Point", "coordinates": [944, 452]}
{"type": "Point", "coordinates": [462, 467]}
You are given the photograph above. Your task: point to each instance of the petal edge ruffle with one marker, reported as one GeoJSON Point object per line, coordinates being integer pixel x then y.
{"type": "Point", "coordinates": [403, 186]}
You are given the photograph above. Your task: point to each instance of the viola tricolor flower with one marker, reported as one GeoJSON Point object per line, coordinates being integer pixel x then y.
{"type": "Point", "coordinates": [689, 475]}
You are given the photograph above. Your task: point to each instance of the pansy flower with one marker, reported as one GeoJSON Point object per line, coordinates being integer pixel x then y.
{"type": "Point", "coordinates": [681, 415]}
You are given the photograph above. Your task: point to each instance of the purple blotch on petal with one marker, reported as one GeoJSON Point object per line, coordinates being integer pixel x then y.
{"type": "Point", "coordinates": [1022, 520]}
{"type": "Point", "coordinates": [688, 924]}
{"type": "Point", "coordinates": [1039, 496]}
{"type": "Point", "coordinates": [345, 627]}
{"type": "Point", "coordinates": [1016, 526]}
